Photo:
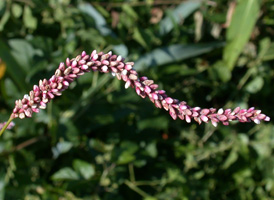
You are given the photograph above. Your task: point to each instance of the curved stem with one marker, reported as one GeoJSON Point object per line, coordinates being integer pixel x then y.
{"type": "Point", "coordinates": [6, 125]}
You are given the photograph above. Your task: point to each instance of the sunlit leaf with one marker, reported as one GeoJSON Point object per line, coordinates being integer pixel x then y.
{"type": "Point", "coordinates": [16, 10]}
{"type": "Point", "coordinates": [84, 168]}
{"type": "Point", "coordinates": [232, 158]}
{"type": "Point", "coordinates": [138, 36]}
{"type": "Point", "coordinates": [155, 123]}
{"type": "Point", "coordinates": [173, 53]}
{"type": "Point", "coordinates": [102, 26]}
{"type": "Point", "coordinates": [178, 15]}
{"type": "Point", "coordinates": [61, 147]}
{"type": "Point", "coordinates": [151, 149]}
{"type": "Point", "coordinates": [29, 20]}
{"type": "Point", "coordinates": [255, 85]}
{"type": "Point", "coordinates": [130, 11]}
{"type": "Point", "coordinates": [99, 20]}
{"type": "Point", "coordinates": [222, 71]}
{"type": "Point", "coordinates": [23, 52]}
{"type": "Point", "coordinates": [240, 29]}
{"type": "Point", "coordinates": [4, 19]}
{"type": "Point", "coordinates": [65, 173]}
{"type": "Point", "coordinates": [13, 69]}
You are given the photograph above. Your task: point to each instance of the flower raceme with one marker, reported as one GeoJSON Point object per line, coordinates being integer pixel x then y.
{"type": "Point", "coordinates": [9, 126]}
{"type": "Point", "coordinates": [67, 72]}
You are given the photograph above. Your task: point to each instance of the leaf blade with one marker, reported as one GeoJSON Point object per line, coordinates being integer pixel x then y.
{"type": "Point", "coordinates": [173, 53]}
{"type": "Point", "coordinates": [240, 29]}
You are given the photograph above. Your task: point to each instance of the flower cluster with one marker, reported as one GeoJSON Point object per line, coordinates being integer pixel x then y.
{"type": "Point", "coordinates": [10, 126]}
{"type": "Point", "coordinates": [67, 72]}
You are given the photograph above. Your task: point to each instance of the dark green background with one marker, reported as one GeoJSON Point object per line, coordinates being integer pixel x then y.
{"type": "Point", "coordinates": [100, 141]}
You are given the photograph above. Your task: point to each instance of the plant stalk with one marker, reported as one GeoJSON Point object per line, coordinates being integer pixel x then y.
{"type": "Point", "coordinates": [6, 125]}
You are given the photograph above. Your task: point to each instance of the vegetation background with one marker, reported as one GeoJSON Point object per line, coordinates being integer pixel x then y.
{"type": "Point", "coordinates": [99, 141]}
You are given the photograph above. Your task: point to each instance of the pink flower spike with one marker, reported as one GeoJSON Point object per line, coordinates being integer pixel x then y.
{"type": "Point", "coordinates": [250, 109]}
{"type": "Point", "coordinates": [222, 117]}
{"type": "Point", "coordinates": [161, 91]}
{"type": "Point", "coordinates": [144, 87]}
{"type": "Point", "coordinates": [82, 62]}
{"type": "Point", "coordinates": [127, 84]}
{"type": "Point", "coordinates": [84, 67]}
{"type": "Point", "coordinates": [204, 118]}
{"type": "Point", "coordinates": [62, 66]}
{"type": "Point", "coordinates": [220, 111]}
{"type": "Point", "coordinates": [83, 54]}
{"type": "Point", "coordinates": [143, 78]}
{"type": "Point", "coordinates": [154, 96]}
{"type": "Point", "coordinates": [74, 64]}
{"type": "Point", "coordinates": [93, 53]}
{"type": "Point", "coordinates": [35, 88]}
{"type": "Point", "coordinates": [205, 111]}
{"type": "Point", "coordinates": [119, 58]}
{"type": "Point", "coordinates": [104, 68]}
{"type": "Point", "coordinates": [138, 91]}
{"type": "Point", "coordinates": [236, 110]}
{"type": "Point", "coordinates": [36, 110]}
{"type": "Point", "coordinates": [147, 89]}
{"type": "Point", "coordinates": [128, 67]}
{"type": "Point", "coordinates": [214, 123]}
{"type": "Point", "coordinates": [169, 100]}
{"type": "Point", "coordinates": [188, 119]}
{"type": "Point", "coordinates": [183, 107]}
{"type": "Point", "coordinates": [196, 109]}
{"type": "Point", "coordinates": [95, 57]}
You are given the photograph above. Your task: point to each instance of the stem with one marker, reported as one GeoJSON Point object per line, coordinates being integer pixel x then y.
{"type": "Point", "coordinates": [6, 125]}
{"type": "Point", "coordinates": [136, 189]}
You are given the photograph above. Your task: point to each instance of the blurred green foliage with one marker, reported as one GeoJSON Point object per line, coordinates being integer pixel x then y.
{"type": "Point", "coordinates": [98, 141]}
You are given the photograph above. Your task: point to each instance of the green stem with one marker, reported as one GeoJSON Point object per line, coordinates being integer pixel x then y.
{"type": "Point", "coordinates": [136, 189]}
{"type": "Point", "coordinates": [6, 125]}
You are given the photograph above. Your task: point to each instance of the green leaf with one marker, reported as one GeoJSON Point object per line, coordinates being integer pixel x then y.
{"type": "Point", "coordinates": [102, 26]}
{"type": "Point", "coordinates": [255, 85]}
{"type": "Point", "coordinates": [264, 46]}
{"type": "Point", "coordinates": [155, 123]}
{"type": "Point", "coordinates": [23, 52]}
{"type": "Point", "coordinates": [240, 29]}
{"type": "Point", "coordinates": [173, 53]}
{"type": "Point", "coordinates": [2, 185]}
{"type": "Point", "coordinates": [4, 20]}
{"type": "Point", "coordinates": [61, 148]}
{"type": "Point", "coordinates": [125, 158]}
{"type": "Point", "coordinates": [84, 168]}
{"type": "Point", "coordinates": [266, 50]}
{"type": "Point", "coordinates": [221, 71]}
{"type": "Point", "coordinates": [262, 149]}
{"type": "Point", "coordinates": [176, 16]}
{"type": "Point", "coordinates": [99, 20]}
{"type": "Point", "coordinates": [129, 11]}
{"type": "Point", "coordinates": [151, 150]}
{"type": "Point", "coordinates": [13, 68]}
{"type": "Point", "coordinates": [29, 20]}
{"type": "Point", "coordinates": [150, 198]}
{"type": "Point", "coordinates": [65, 173]}
{"type": "Point", "coordinates": [269, 55]}
{"type": "Point", "coordinates": [16, 10]}
{"type": "Point", "coordinates": [128, 154]}
{"type": "Point", "coordinates": [138, 35]}
{"type": "Point", "coordinates": [232, 158]}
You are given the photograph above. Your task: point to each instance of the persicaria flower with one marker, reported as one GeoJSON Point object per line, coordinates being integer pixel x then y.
{"type": "Point", "coordinates": [67, 72]}
{"type": "Point", "coordinates": [10, 126]}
